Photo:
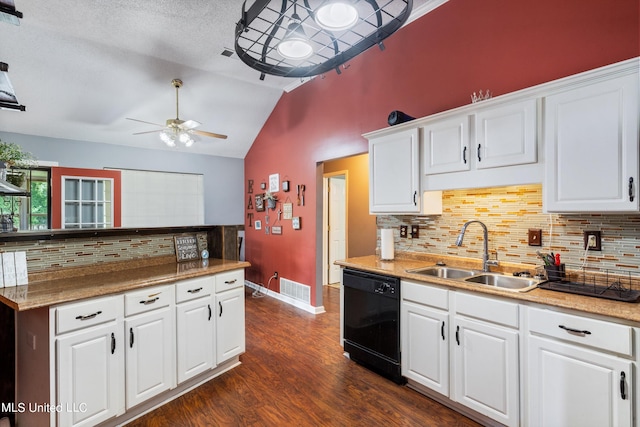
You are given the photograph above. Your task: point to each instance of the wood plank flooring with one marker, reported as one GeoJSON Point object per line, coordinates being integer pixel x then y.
{"type": "Point", "coordinates": [294, 374]}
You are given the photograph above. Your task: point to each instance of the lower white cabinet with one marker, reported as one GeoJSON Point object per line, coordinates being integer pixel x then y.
{"type": "Point", "coordinates": [580, 371]}
{"type": "Point", "coordinates": [230, 336]}
{"type": "Point", "coordinates": [195, 327]}
{"type": "Point", "coordinates": [464, 347]}
{"type": "Point", "coordinates": [90, 368]}
{"type": "Point", "coordinates": [111, 358]}
{"type": "Point", "coordinates": [150, 358]}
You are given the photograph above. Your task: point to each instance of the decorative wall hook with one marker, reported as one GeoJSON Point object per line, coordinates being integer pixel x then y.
{"type": "Point", "coordinates": [480, 96]}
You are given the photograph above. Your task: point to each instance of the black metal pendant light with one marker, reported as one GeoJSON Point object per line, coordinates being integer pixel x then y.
{"type": "Point", "coordinates": [303, 38]}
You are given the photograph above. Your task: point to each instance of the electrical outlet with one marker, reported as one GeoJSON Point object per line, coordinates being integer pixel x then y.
{"type": "Point", "coordinates": [415, 231]}
{"type": "Point", "coordinates": [535, 237]}
{"type": "Point", "coordinates": [403, 231]}
{"type": "Point", "coordinates": [592, 240]}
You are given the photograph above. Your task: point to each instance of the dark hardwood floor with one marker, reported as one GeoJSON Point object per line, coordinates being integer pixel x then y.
{"type": "Point", "coordinates": [294, 374]}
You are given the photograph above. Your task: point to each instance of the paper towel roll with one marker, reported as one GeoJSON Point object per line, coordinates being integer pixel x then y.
{"type": "Point", "coordinates": [386, 243]}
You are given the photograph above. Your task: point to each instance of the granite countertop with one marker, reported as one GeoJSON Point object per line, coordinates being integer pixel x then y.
{"type": "Point", "coordinates": [105, 279]}
{"type": "Point", "coordinates": [399, 266]}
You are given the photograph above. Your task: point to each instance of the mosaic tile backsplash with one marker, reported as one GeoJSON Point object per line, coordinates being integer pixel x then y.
{"type": "Point", "coordinates": [45, 255]}
{"type": "Point", "coordinates": [508, 213]}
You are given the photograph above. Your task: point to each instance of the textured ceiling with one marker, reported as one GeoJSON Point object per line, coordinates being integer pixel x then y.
{"type": "Point", "coordinates": [81, 67]}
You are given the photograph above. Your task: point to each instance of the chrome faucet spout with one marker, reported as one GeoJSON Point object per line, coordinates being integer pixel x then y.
{"type": "Point", "coordinates": [485, 256]}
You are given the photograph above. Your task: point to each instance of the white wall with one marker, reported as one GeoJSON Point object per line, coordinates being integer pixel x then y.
{"type": "Point", "coordinates": [223, 177]}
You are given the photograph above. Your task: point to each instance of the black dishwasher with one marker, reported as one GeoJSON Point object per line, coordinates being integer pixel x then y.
{"type": "Point", "coordinates": [372, 322]}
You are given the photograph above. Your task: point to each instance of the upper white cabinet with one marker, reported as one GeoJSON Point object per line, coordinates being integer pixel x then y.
{"type": "Point", "coordinates": [505, 135]}
{"type": "Point", "coordinates": [394, 173]}
{"type": "Point", "coordinates": [446, 145]}
{"type": "Point", "coordinates": [591, 147]}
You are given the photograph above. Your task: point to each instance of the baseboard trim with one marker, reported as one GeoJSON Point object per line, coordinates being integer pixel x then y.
{"type": "Point", "coordinates": [273, 294]}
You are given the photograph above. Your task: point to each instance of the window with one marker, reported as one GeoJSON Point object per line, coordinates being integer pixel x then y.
{"type": "Point", "coordinates": [88, 202]}
{"type": "Point", "coordinates": [29, 213]}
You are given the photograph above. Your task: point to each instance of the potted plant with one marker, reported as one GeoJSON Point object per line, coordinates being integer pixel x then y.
{"type": "Point", "coordinates": [12, 155]}
{"type": "Point", "coordinates": [271, 199]}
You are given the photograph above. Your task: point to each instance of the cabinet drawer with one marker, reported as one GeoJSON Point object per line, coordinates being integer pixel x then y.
{"type": "Point", "coordinates": [489, 309]}
{"type": "Point", "coordinates": [77, 315]}
{"type": "Point", "coordinates": [194, 288]}
{"type": "Point", "coordinates": [420, 293]}
{"type": "Point", "coordinates": [148, 299]}
{"type": "Point", "coordinates": [582, 330]}
{"type": "Point", "coordinates": [229, 280]}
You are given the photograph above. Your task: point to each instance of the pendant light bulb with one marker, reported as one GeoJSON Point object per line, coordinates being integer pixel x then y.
{"type": "Point", "coordinates": [338, 15]}
{"type": "Point", "coordinates": [168, 138]}
{"type": "Point", "coordinates": [295, 44]}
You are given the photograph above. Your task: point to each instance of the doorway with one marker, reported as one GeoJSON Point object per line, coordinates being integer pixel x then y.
{"type": "Point", "coordinates": [335, 225]}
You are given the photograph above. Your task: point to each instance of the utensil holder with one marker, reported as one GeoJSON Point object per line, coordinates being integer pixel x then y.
{"type": "Point", "coordinates": [555, 273]}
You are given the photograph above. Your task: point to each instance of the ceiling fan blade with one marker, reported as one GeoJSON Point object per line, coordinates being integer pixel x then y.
{"type": "Point", "coordinates": [149, 131]}
{"type": "Point", "coordinates": [142, 121]}
{"type": "Point", "coordinates": [209, 134]}
{"type": "Point", "coordinates": [190, 124]}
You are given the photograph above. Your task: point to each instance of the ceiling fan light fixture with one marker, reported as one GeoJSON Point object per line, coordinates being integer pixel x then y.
{"type": "Point", "coordinates": [168, 137]}
{"type": "Point", "coordinates": [336, 15]}
{"type": "Point", "coordinates": [186, 139]}
{"type": "Point", "coordinates": [295, 45]}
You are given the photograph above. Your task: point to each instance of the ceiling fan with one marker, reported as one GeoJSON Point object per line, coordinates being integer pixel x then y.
{"type": "Point", "coordinates": [176, 129]}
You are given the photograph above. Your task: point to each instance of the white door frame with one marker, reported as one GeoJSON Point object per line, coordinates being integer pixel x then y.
{"type": "Point", "coordinates": [325, 220]}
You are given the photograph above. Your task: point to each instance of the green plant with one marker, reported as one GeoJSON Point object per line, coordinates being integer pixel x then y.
{"type": "Point", "coordinates": [13, 155]}
{"type": "Point", "coordinates": [270, 196]}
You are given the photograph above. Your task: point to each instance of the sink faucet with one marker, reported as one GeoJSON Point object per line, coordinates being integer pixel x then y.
{"type": "Point", "coordinates": [485, 258]}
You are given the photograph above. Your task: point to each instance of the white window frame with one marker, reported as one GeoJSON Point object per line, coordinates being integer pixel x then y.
{"type": "Point", "coordinates": [80, 201]}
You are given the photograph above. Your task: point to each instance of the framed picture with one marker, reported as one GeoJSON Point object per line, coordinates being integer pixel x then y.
{"type": "Point", "coordinates": [287, 210]}
{"type": "Point", "coordinates": [285, 186]}
{"type": "Point", "coordinates": [276, 229]}
{"type": "Point", "coordinates": [260, 202]}
{"type": "Point", "coordinates": [274, 183]}
{"type": "Point", "coordinates": [295, 222]}
{"type": "Point", "coordinates": [258, 225]}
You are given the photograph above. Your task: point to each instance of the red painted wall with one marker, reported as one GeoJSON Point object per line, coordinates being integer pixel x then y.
{"type": "Point", "coordinates": [431, 65]}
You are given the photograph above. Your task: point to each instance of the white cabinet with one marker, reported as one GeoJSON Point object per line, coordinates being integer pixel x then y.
{"type": "Point", "coordinates": [195, 327]}
{"type": "Point", "coordinates": [229, 297]}
{"type": "Point", "coordinates": [446, 145]}
{"type": "Point", "coordinates": [485, 357]}
{"type": "Point", "coordinates": [463, 346]}
{"type": "Point", "coordinates": [580, 371]}
{"type": "Point", "coordinates": [394, 176]}
{"type": "Point", "coordinates": [425, 328]}
{"type": "Point", "coordinates": [150, 335]}
{"type": "Point", "coordinates": [591, 147]}
{"type": "Point", "coordinates": [505, 134]}
{"type": "Point", "coordinates": [90, 362]}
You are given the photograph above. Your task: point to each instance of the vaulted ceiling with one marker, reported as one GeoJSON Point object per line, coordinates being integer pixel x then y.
{"type": "Point", "coordinates": [81, 67]}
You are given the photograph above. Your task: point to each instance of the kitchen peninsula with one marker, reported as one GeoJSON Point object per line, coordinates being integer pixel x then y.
{"type": "Point", "coordinates": [116, 339]}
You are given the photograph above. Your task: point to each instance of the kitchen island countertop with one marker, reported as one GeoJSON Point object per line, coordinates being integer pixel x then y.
{"type": "Point", "coordinates": [105, 279]}
{"type": "Point", "coordinates": [399, 266]}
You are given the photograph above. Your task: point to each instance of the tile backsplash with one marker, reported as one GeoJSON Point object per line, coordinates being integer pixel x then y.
{"type": "Point", "coordinates": [508, 213]}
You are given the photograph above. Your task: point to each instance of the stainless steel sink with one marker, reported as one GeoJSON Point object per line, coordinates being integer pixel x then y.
{"type": "Point", "coordinates": [444, 272]}
{"type": "Point", "coordinates": [511, 283]}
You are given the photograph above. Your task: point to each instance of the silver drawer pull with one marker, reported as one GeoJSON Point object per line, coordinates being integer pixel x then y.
{"type": "Point", "coordinates": [194, 291]}
{"type": "Point", "coordinates": [150, 301]}
{"type": "Point", "coordinates": [574, 331]}
{"type": "Point", "coordinates": [229, 282]}
{"type": "Point", "coordinates": [88, 316]}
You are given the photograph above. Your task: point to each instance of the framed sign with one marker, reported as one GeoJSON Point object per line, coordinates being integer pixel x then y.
{"type": "Point", "coordinates": [295, 222]}
{"type": "Point", "coordinates": [276, 229]}
{"type": "Point", "coordinates": [186, 248]}
{"type": "Point", "coordinates": [260, 202]}
{"type": "Point", "coordinates": [287, 210]}
{"type": "Point", "coordinates": [274, 183]}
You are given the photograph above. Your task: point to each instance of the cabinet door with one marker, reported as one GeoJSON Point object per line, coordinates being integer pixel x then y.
{"type": "Point", "coordinates": [230, 339]}
{"type": "Point", "coordinates": [425, 350]}
{"type": "Point", "coordinates": [394, 176]}
{"type": "Point", "coordinates": [150, 360]}
{"type": "Point", "coordinates": [90, 373]}
{"type": "Point", "coordinates": [195, 337]}
{"type": "Point", "coordinates": [572, 386]}
{"type": "Point", "coordinates": [506, 135]}
{"type": "Point", "coordinates": [486, 369]}
{"type": "Point", "coordinates": [446, 145]}
{"type": "Point", "coordinates": [591, 148]}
